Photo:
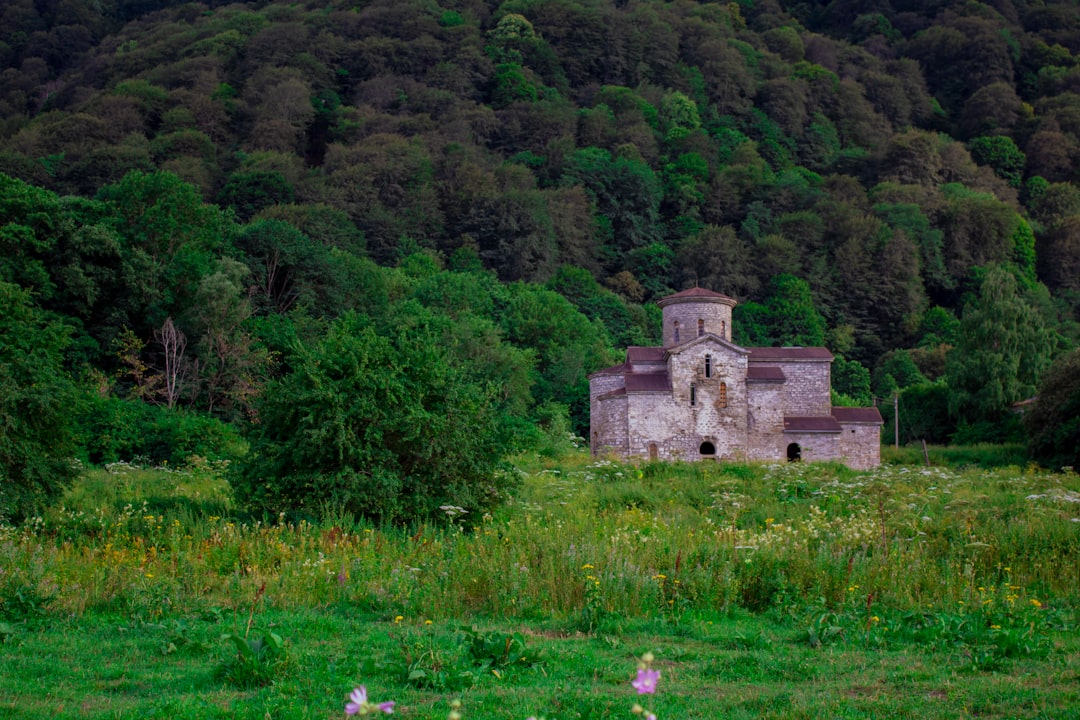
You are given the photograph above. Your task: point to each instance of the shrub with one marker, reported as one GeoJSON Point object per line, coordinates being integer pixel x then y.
{"type": "Point", "coordinates": [1053, 424]}
{"type": "Point", "coordinates": [35, 403]}
{"type": "Point", "coordinates": [112, 429]}
{"type": "Point", "coordinates": [377, 423]}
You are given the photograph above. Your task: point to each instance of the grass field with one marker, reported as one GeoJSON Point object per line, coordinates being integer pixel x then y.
{"type": "Point", "coordinates": [764, 591]}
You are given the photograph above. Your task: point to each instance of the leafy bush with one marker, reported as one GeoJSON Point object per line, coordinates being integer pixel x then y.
{"type": "Point", "coordinates": [35, 401]}
{"type": "Point", "coordinates": [1053, 424]}
{"type": "Point", "coordinates": [112, 430]}
{"type": "Point", "coordinates": [381, 424]}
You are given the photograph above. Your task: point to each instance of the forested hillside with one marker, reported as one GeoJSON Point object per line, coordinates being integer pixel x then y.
{"type": "Point", "coordinates": [202, 197]}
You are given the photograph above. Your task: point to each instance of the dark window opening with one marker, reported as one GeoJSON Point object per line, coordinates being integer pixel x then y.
{"type": "Point", "coordinates": [676, 332]}
{"type": "Point", "coordinates": [723, 329]}
{"type": "Point", "coordinates": [722, 399]}
{"type": "Point", "coordinates": [700, 327]}
{"type": "Point", "coordinates": [693, 394]}
{"type": "Point", "coordinates": [708, 366]}
{"type": "Point", "coordinates": [707, 448]}
{"type": "Point", "coordinates": [794, 452]}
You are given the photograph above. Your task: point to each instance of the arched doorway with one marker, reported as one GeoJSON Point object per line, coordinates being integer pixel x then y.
{"type": "Point", "coordinates": [707, 448]}
{"type": "Point", "coordinates": [794, 452]}
{"type": "Point", "coordinates": [654, 453]}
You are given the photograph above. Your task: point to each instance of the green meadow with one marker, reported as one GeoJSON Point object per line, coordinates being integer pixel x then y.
{"type": "Point", "coordinates": [763, 591]}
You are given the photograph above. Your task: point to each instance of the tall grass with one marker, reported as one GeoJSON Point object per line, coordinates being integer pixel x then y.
{"type": "Point", "coordinates": [584, 542]}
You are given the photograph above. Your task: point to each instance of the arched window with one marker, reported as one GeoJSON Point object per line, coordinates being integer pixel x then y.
{"type": "Point", "coordinates": [723, 329]}
{"type": "Point", "coordinates": [676, 332]}
{"type": "Point", "coordinates": [693, 394]}
{"type": "Point", "coordinates": [700, 327]}
{"type": "Point", "coordinates": [708, 366]}
{"type": "Point", "coordinates": [707, 448]}
{"type": "Point", "coordinates": [721, 400]}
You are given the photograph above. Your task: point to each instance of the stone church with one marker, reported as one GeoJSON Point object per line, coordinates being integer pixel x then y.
{"type": "Point", "coordinates": [701, 396]}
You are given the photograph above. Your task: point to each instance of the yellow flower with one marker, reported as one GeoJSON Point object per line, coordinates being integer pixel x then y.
{"type": "Point", "coordinates": [586, 566]}
{"type": "Point", "coordinates": [875, 618]}
{"type": "Point", "coordinates": [398, 619]}
{"type": "Point", "coordinates": [427, 622]}
{"type": "Point", "coordinates": [1036, 603]}
{"type": "Point", "coordinates": [995, 627]}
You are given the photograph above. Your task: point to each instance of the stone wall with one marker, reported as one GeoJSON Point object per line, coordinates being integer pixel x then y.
{"type": "Point", "coordinates": [860, 445]}
{"type": "Point", "coordinates": [807, 388]}
{"type": "Point", "coordinates": [814, 446]}
{"type": "Point", "coordinates": [608, 425]}
{"type": "Point", "coordinates": [765, 421]}
{"type": "Point", "coordinates": [717, 317]}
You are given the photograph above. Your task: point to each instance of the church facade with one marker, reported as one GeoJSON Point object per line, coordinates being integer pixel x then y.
{"type": "Point", "coordinates": [701, 397]}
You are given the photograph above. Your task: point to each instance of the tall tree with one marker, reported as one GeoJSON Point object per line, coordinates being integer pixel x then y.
{"type": "Point", "coordinates": [36, 402]}
{"type": "Point", "coordinates": [1003, 347]}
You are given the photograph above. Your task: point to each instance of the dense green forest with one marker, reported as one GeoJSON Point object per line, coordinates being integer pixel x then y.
{"type": "Point", "coordinates": [217, 217]}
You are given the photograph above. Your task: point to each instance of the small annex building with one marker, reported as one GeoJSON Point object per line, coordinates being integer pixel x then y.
{"type": "Point", "coordinates": [702, 397]}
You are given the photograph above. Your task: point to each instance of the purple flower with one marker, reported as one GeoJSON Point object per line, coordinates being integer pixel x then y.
{"type": "Point", "coordinates": [645, 683]}
{"type": "Point", "coordinates": [358, 704]}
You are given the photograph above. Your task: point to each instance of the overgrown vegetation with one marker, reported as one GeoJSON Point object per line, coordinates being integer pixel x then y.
{"type": "Point", "coordinates": [192, 191]}
{"type": "Point", "coordinates": [779, 575]}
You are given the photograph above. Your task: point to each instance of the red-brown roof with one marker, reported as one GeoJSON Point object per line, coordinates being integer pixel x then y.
{"type": "Point", "coordinates": [764, 374]}
{"type": "Point", "coordinates": [867, 415]}
{"type": "Point", "coordinates": [614, 393]}
{"type": "Point", "coordinates": [648, 382]}
{"type": "Point", "coordinates": [645, 354]}
{"type": "Point", "coordinates": [775, 354]}
{"type": "Point", "coordinates": [821, 424]}
{"type": "Point", "coordinates": [613, 370]}
{"type": "Point", "coordinates": [697, 292]}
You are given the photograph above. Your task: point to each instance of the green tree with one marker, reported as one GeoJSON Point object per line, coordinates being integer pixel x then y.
{"type": "Point", "coordinates": [1004, 344]}
{"type": "Point", "coordinates": [379, 423]}
{"type": "Point", "coordinates": [36, 402]}
{"type": "Point", "coordinates": [1002, 154]}
{"type": "Point", "coordinates": [1053, 422]}
{"type": "Point", "coordinates": [788, 316]}
{"type": "Point", "coordinates": [626, 191]}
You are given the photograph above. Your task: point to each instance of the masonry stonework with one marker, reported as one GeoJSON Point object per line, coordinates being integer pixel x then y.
{"type": "Point", "coordinates": [701, 397]}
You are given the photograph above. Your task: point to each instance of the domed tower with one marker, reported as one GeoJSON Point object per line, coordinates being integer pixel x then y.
{"type": "Point", "coordinates": [694, 312]}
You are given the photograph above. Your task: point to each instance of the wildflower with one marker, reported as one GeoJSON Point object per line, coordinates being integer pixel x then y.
{"type": "Point", "coordinates": [645, 683]}
{"type": "Point", "coordinates": [1036, 603]}
{"type": "Point", "coordinates": [358, 704]}
{"type": "Point", "coordinates": [398, 619]}
{"type": "Point", "coordinates": [427, 622]}
{"type": "Point", "coordinates": [586, 566]}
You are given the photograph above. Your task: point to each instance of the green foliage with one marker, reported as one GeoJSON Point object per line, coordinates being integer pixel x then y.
{"type": "Point", "coordinates": [788, 316]}
{"type": "Point", "coordinates": [249, 192]}
{"type": "Point", "coordinates": [1052, 422]}
{"type": "Point", "coordinates": [1002, 154]}
{"type": "Point", "coordinates": [626, 191]}
{"type": "Point", "coordinates": [36, 399]}
{"type": "Point", "coordinates": [852, 379]}
{"type": "Point", "coordinates": [379, 423]}
{"type": "Point", "coordinates": [924, 413]}
{"type": "Point", "coordinates": [261, 659]}
{"type": "Point", "coordinates": [111, 429]}
{"type": "Point", "coordinates": [1004, 344]}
